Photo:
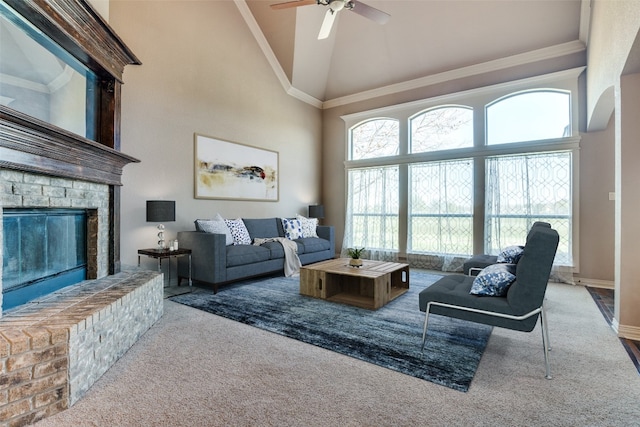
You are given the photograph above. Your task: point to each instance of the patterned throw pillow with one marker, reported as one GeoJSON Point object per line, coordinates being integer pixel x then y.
{"type": "Point", "coordinates": [238, 231]}
{"type": "Point", "coordinates": [292, 228]}
{"type": "Point", "coordinates": [494, 280]}
{"type": "Point", "coordinates": [216, 225]}
{"type": "Point", "coordinates": [309, 226]}
{"type": "Point", "coordinates": [510, 254]}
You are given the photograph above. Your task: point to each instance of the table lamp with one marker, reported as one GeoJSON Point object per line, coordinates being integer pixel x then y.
{"type": "Point", "coordinates": [161, 211]}
{"type": "Point", "coordinates": [316, 211]}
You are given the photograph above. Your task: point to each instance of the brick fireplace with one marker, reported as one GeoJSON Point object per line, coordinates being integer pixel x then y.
{"type": "Point", "coordinates": [27, 190]}
{"type": "Point", "coordinates": [53, 348]}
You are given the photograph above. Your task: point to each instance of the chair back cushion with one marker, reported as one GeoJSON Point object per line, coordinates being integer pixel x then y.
{"type": "Point", "coordinates": [532, 272]}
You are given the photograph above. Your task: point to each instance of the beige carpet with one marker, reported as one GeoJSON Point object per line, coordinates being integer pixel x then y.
{"type": "Point", "coordinates": [196, 369]}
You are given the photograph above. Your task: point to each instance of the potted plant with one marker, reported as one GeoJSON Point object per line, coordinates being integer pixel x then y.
{"type": "Point", "coordinates": [355, 254]}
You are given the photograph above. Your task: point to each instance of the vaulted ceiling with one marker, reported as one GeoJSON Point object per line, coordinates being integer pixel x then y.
{"type": "Point", "coordinates": [422, 39]}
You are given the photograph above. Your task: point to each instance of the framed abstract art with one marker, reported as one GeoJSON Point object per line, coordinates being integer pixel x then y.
{"type": "Point", "coordinates": [233, 171]}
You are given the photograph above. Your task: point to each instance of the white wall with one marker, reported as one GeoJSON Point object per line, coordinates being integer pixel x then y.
{"type": "Point", "coordinates": [202, 72]}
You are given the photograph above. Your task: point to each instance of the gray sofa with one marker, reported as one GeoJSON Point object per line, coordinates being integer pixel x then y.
{"type": "Point", "coordinates": [214, 263]}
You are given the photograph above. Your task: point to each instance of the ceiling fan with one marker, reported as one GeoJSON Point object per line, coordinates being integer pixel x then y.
{"type": "Point", "coordinates": [336, 6]}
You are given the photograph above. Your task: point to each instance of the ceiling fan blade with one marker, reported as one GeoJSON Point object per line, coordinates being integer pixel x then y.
{"type": "Point", "coordinates": [325, 30]}
{"type": "Point", "coordinates": [370, 12]}
{"type": "Point", "coordinates": [295, 3]}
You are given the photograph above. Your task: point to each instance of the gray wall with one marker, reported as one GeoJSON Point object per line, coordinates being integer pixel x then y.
{"type": "Point", "coordinates": [202, 72]}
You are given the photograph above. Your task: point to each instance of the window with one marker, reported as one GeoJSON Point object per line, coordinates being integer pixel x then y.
{"type": "Point", "coordinates": [421, 173]}
{"type": "Point", "coordinates": [375, 138]}
{"type": "Point", "coordinates": [373, 208]}
{"type": "Point", "coordinates": [529, 116]}
{"type": "Point", "coordinates": [524, 189]}
{"type": "Point", "coordinates": [441, 207]}
{"type": "Point", "coordinates": [442, 128]}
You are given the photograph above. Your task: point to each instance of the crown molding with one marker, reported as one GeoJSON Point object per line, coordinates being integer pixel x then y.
{"type": "Point", "coordinates": [271, 57]}
{"type": "Point", "coordinates": [551, 52]}
{"type": "Point", "coordinates": [485, 67]}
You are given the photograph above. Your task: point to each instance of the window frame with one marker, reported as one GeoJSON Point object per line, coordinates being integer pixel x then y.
{"type": "Point", "coordinates": [478, 99]}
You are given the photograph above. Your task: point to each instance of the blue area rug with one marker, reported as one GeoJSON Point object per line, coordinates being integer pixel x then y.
{"type": "Point", "coordinates": [390, 336]}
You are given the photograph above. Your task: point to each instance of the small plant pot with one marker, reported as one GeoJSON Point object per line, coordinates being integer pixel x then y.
{"type": "Point", "coordinates": [355, 262]}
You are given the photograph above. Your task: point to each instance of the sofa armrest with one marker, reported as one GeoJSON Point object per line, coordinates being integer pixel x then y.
{"type": "Point", "coordinates": [328, 232]}
{"type": "Point", "coordinates": [208, 256]}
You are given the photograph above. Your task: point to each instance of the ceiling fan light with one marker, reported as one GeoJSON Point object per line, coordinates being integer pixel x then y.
{"type": "Point", "coordinates": [337, 5]}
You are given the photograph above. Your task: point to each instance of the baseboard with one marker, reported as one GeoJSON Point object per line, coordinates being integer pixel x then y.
{"type": "Point", "coordinates": [629, 332]}
{"type": "Point", "coordinates": [596, 283]}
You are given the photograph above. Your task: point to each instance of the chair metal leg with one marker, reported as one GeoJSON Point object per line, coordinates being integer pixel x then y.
{"type": "Point", "coordinates": [545, 343]}
{"type": "Point", "coordinates": [543, 316]}
{"type": "Point", "coordinates": [424, 331]}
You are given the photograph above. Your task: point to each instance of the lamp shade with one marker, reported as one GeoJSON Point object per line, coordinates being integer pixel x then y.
{"type": "Point", "coordinates": [316, 211]}
{"type": "Point", "coordinates": [161, 210]}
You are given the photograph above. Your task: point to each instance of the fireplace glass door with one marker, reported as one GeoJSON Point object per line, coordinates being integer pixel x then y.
{"type": "Point", "coordinates": [44, 250]}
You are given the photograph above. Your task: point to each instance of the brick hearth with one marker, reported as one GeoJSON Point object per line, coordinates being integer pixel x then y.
{"type": "Point", "coordinates": [53, 349]}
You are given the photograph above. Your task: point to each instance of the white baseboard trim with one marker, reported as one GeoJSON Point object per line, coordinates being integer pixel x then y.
{"type": "Point", "coordinates": [596, 283]}
{"type": "Point", "coordinates": [629, 332]}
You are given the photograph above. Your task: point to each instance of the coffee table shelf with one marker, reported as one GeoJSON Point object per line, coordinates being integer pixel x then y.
{"type": "Point", "coordinates": [371, 286]}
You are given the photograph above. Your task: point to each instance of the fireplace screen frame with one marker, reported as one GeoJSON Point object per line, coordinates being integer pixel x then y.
{"type": "Point", "coordinates": [45, 249]}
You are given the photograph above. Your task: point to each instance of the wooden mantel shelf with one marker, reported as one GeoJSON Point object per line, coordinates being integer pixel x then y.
{"type": "Point", "coordinates": [27, 144]}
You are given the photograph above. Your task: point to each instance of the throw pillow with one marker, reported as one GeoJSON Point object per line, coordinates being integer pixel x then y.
{"type": "Point", "coordinates": [292, 228]}
{"type": "Point", "coordinates": [510, 254]}
{"type": "Point", "coordinates": [494, 280]}
{"type": "Point", "coordinates": [309, 226]}
{"type": "Point", "coordinates": [238, 231]}
{"type": "Point", "coordinates": [215, 226]}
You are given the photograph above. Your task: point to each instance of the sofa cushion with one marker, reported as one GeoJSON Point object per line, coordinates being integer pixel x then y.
{"type": "Point", "coordinates": [292, 228]}
{"type": "Point", "coordinates": [494, 280]}
{"type": "Point", "coordinates": [312, 244]}
{"type": "Point", "coordinates": [261, 227]}
{"type": "Point", "coordinates": [309, 226]}
{"type": "Point", "coordinates": [238, 231]}
{"type": "Point", "coordinates": [216, 225]}
{"type": "Point", "coordinates": [510, 254]}
{"type": "Point", "coordinates": [246, 254]}
{"type": "Point", "coordinates": [275, 249]}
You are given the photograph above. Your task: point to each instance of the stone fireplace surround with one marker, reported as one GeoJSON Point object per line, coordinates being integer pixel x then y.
{"type": "Point", "coordinates": [54, 348]}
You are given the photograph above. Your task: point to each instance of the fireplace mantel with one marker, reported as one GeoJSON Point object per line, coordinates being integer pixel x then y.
{"type": "Point", "coordinates": [30, 145]}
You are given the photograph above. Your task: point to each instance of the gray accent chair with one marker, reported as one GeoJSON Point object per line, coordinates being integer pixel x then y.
{"type": "Point", "coordinates": [518, 310]}
{"type": "Point", "coordinates": [473, 265]}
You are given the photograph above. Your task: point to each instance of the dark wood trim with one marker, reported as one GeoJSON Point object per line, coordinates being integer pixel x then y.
{"type": "Point", "coordinates": [81, 31]}
{"type": "Point", "coordinates": [92, 244]}
{"type": "Point", "coordinates": [114, 230]}
{"type": "Point", "coordinates": [30, 145]}
{"type": "Point", "coordinates": [110, 113]}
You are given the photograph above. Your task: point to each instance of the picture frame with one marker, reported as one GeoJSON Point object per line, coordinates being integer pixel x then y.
{"type": "Point", "coordinates": [233, 171]}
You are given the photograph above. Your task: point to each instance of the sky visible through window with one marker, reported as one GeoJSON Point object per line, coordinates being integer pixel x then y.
{"type": "Point", "coordinates": [529, 116]}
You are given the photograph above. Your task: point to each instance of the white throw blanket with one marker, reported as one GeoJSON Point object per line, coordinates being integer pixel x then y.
{"type": "Point", "coordinates": [291, 261]}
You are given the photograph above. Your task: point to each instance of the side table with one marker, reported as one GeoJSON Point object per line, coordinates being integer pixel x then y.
{"type": "Point", "coordinates": [161, 254]}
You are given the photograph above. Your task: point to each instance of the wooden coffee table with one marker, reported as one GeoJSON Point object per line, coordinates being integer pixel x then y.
{"type": "Point", "coordinates": [370, 286]}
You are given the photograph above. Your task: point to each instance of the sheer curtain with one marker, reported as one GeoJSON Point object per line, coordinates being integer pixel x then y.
{"type": "Point", "coordinates": [373, 213]}
{"type": "Point", "coordinates": [440, 214]}
{"type": "Point", "coordinates": [523, 189]}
